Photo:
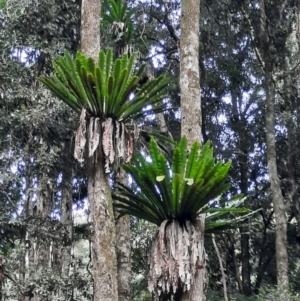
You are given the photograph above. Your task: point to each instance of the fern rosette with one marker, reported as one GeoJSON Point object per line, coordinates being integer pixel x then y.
{"type": "Point", "coordinates": [172, 194]}
{"type": "Point", "coordinates": [177, 190]}
{"type": "Point", "coordinates": [108, 95]}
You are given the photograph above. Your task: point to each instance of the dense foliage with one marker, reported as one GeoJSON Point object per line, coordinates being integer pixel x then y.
{"type": "Point", "coordinates": [37, 169]}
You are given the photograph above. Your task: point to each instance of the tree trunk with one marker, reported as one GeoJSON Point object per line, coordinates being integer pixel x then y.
{"type": "Point", "coordinates": [90, 28]}
{"type": "Point", "coordinates": [296, 202]}
{"type": "Point", "coordinates": [123, 246]}
{"type": "Point", "coordinates": [104, 231]}
{"type": "Point", "coordinates": [123, 257]}
{"type": "Point", "coordinates": [1, 275]}
{"type": "Point", "coordinates": [190, 100]}
{"type": "Point", "coordinates": [278, 201]}
{"type": "Point", "coordinates": [221, 267]}
{"type": "Point", "coordinates": [191, 114]}
{"type": "Point", "coordinates": [239, 125]}
{"type": "Point", "coordinates": [99, 194]}
{"type": "Point", "coordinates": [123, 249]}
{"type": "Point", "coordinates": [41, 246]}
{"type": "Point", "coordinates": [66, 220]}
{"type": "Point", "coordinates": [266, 34]}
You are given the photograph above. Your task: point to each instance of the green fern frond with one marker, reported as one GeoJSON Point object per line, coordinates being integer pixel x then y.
{"type": "Point", "coordinates": [179, 189]}
{"type": "Point", "coordinates": [109, 88]}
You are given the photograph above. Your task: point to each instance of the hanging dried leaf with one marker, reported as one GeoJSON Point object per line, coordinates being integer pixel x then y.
{"type": "Point", "coordinates": [117, 143]}
{"type": "Point", "coordinates": [118, 30]}
{"type": "Point", "coordinates": [107, 142]}
{"type": "Point", "coordinates": [80, 139]}
{"type": "Point", "coordinates": [129, 148]}
{"type": "Point", "coordinates": [174, 257]}
{"type": "Point", "coordinates": [94, 135]}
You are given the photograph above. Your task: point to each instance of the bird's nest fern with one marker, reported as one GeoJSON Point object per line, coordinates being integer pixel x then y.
{"type": "Point", "coordinates": [108, 94]}
{"type": "Point", "coordinates": [179, 189]}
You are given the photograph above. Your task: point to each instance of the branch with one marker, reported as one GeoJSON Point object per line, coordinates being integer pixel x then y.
{"type": "Point", "coordinates": [167, 22]}
{"type": "Point", "coordinates": [252, 37]}
{"type": "Point", "coordinates": [168, 51]}
{"type": "Point", "coordinates": [221, 267]}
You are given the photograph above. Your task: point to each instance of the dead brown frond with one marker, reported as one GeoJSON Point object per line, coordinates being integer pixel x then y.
{"type": "Point", "coordinates": [94, 134]}
{"type": "Point", "coordinates": [174, 257]}
{"type": "Point", "coordinates": [117, 142]}
{"type": "Point", "coordinates": [80, 138]}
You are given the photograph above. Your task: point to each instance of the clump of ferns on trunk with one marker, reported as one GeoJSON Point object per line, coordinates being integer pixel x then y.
{"type": "Point", "coordinates": [117, 16]}
{"type": "Point", "coordinates": [109, 96]}
{"type": "Point", "coordinates": [172, 194]}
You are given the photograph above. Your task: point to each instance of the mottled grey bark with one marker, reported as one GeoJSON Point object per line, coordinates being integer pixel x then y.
{"type": "Point", "coordinates": [191, 114]}
{"type": "Point", "coordinates": [104, 231]}
{"type": "Point", "coordinates": [27, 212]}
{"type": "Point", "coordinates": [230, 243]}
{"type": "Point", "coordinates": [123, 257]}
{"type": "Point", "coordinates": [267, 50]}
{"type": "Point", "coordinates": [90, 28]}
{"type": "Point", "coordinates": [123, 248]}
{"type": "Point", "coordinates": [190, 100]}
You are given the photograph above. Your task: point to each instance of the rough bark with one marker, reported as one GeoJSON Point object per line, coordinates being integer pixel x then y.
{"type": "Point", "coordinates": [278, 200]}
{"type": "Point", "coordinates": [99, 194]}
{"type": "Point", "coordinates": [123, 250]}
{"type": "Point", "coordinates": [27, 212]}
{"type": "Point", "coordinates": [90, 28]}
{"type": "Point", "coordinates": [123, 246]}
{"type": "Point", "coordinates": [267, 49]}
{"type": "Point", "coordinates": [190, 103]}
{"type": "Point", "coordinates": [200, 282]}
{"type": "Point", "coordinates": [104, 231]}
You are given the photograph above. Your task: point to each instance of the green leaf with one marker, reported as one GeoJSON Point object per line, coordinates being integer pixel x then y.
{"type": "Point", "coordinates": [109, 87]}
{"type": "Point", "coordinates": [166, 193]}
{"type": "Point", "coordinates": [2, 4]}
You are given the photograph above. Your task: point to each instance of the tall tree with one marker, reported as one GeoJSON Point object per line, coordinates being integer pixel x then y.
{"type": "Point", "coordinates": [102, 92]}
{"type": "Point", "coordinates": [191, 127]}
{"type": "Point", "coordinates": [117, 14]}
{"type": "Point", "coordinates": [267, 32]}
{"type": "Point", "coordinates": [104, 231]}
